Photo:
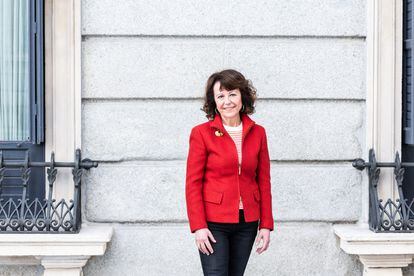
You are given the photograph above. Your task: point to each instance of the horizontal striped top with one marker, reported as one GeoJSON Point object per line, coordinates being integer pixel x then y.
{"type": "Point", "coordinates": [236, 134]}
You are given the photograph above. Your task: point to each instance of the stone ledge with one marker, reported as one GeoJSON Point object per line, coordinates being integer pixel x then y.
{"type": "Point", "coordinates": [358, 239]}
{"type": "Point", "coordinates": [57, 253]}
{"type": "Point", "coordinates": [381, 253]}
{"type": "Point", "coordinates": [91, 240]}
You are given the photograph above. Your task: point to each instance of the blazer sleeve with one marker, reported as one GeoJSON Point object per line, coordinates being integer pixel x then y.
{"type": "Point", "coordinates": [263, 180]}
{"type": "Point", "coordinates": [196, 161]}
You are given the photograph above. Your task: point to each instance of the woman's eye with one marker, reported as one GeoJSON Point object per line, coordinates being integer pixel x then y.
{"type": "Point", "coordinates": [219, 97]}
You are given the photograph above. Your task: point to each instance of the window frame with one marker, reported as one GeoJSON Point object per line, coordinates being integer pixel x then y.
{"type": "Point", "coordinates": [408, 92]}
{"type": "Point", "coordinates": [37, 63]}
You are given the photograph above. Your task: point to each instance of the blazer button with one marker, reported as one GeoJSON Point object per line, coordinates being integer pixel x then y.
{"type": "Point", "coordinates": [218, 133]}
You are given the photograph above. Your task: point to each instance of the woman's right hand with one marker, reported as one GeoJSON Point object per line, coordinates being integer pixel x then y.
{"type": "Point", "coordinates": [202, 240]}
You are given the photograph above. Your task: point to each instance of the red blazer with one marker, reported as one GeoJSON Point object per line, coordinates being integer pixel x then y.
{"type": "Point", "coordinates": [213, 183]}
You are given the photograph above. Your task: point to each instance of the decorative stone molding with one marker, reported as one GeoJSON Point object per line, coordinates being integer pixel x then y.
{"type": "Point", "coordinates": [62, 86]}
{"type": "Point", "coordinates": [381, 253]}
{"type": "Point", "coordinates": [59, 254]}
{"type": "Point", "coordinates": [384, 96]}
{"type": "Point", "coordinates": [385, 261]}
{"type": "Point", "coordinates": [67, 266]}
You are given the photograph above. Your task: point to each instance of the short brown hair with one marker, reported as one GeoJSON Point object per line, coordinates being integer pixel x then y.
{"type": "Point", "coordinates": [229, 79]}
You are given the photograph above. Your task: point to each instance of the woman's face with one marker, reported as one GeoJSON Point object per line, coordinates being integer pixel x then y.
{"type": "Point", "coordinates": [229, 103]}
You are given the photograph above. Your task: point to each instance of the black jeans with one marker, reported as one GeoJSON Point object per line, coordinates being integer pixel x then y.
{"type": "Point", "coordinates": [232, 249]}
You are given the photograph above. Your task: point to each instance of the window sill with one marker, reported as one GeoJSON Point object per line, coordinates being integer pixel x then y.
{"type": "Point", "coordinates": [379, 252]}
{"type": "Point", "coordinates": [57, 253]}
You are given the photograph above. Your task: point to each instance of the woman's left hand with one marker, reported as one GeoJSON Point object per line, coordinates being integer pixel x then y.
{"type": "Point", "coordinates": [264, 234]}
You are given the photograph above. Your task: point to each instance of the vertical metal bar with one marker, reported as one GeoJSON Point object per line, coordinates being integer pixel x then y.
{"type": "Point", "coordinates": [374, 172]}
{"type": "Point", "coordinates": [25, 179]}
{"type": "Point", "coordinates": [51, 177]}
{"type": "Point", "coordinates": [77, 175]}
{"type": "Point", "coordinates": [399, 175]}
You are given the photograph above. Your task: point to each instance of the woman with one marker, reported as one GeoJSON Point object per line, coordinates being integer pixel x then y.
{"type": "Point", "coordinates": [228, 191]}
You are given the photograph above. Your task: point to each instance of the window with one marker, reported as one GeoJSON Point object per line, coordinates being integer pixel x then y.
{"type": "Point", "coordinates": [21, 93]}
{"type": "Point", "coordinates": [407, 146]}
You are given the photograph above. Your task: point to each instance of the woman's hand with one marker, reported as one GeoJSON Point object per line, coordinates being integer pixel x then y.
{"type": "Point", "coordinates": [202, 240]}
{"type": "Point", "coordinates": [264, 234]}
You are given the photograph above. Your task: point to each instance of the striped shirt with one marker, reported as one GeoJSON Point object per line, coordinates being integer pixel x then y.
{"type": "Point", "coordinates": [236, 134]}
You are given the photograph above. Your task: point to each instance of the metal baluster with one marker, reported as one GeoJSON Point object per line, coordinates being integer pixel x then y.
{"type": "Point", "coordinates": [399, 175]}
{"type": "Point", "coordinates": [374, 173]}
{"type": "Point", "coordinates": [25, 180]}
{"type": "Point", "coordinates": [51, 177]}
{"type": "Point", "coordinates": [77, 175]}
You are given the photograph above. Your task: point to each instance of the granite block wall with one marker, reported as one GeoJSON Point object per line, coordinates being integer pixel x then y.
{"type": "Point", "coordinates": [144, 67]}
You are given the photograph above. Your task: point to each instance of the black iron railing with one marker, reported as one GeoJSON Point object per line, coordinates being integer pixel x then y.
{"type": "Point", "coordinates": [388, 216]}
{"type": "Point", "coordinates": [43, 215]}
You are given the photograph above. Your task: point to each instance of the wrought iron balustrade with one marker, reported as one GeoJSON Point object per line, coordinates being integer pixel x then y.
{"type": "Point", "coordinates": [43, 215]}
{"type": "Point", "coordinates": [388, 216]}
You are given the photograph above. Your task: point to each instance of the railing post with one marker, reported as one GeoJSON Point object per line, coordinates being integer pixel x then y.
{"type": "Point", "coordinates": [25, 180]}
{"type": "Point", "coordinates": [77, 175]}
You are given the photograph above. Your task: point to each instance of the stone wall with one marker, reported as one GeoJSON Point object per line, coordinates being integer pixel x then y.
{"type": "Point", "coordinates": [145, 65]}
